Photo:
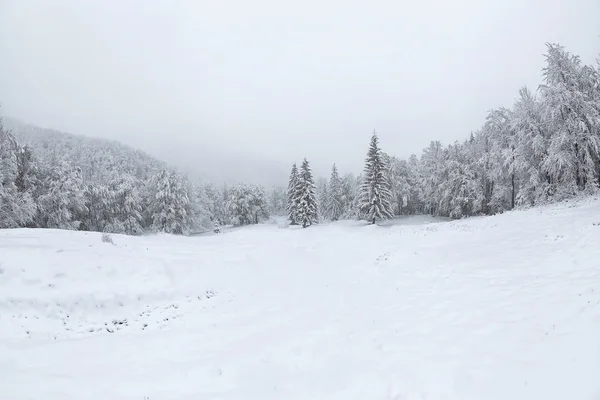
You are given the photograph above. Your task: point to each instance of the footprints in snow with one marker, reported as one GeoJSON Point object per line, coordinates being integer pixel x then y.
{"type": "Point", "coordinates": [75, 320]}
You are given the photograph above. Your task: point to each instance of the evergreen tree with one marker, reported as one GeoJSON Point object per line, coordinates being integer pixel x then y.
{"type": "Point", "coordinates": [305, 196]}
{"type": "Point", "coordinates": [375, 194]}
{"type": "Point", "coordinates": [201, 206]}
{"type": "Point", "coordinates": [17, 207]}
{"type": "Point", "coordinates": [126, 207]}
{"type": "Point", "coordinates": [99, 205]}
{"type": "Point", "coordinates": [322, 192]}
{"type": "Point", "coordinates": [170, 205]}
{"type": "Point", "coordinates": [334, 200]}
{"type": "Point", "coordinates": [349, 195]}
{"type": "Point", "coordinates": [292, 205]}
{"type": "Point", "coordinates": [62, 203]}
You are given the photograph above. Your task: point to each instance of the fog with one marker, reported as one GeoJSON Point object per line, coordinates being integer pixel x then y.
{"type": "Point", "coordinates": [238, 90]}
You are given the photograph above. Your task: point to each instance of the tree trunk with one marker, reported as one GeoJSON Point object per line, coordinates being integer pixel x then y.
{"type": "Point", "coordinates": [512, 200]}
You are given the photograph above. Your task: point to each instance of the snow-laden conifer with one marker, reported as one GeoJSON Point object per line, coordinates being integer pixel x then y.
{"type": "Point", "coordinates": [375, 195]}
{"type": "Point", "coordinates": [305, 197]}
{"type": "Point", "coordinates": [292, 205]}
{"type": "Point", "coordinates": [334, 199]}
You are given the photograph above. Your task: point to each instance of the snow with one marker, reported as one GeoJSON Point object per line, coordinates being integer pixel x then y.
{"type": "Point", "coordinates": [503, 307]}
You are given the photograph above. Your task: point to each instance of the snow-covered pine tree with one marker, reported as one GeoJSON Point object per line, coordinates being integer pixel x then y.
{"type": "Point", "coordinates": [349, 195]}
{"type": "Point", "coordinates": [126, 206]}
{"type": "Point", "coordinates": [375, 195]}
{"type": "Point", "coordinates": [322, 196]}
{"type": "Point", "coordinates": [62, 203]}
{"type": "Point", "coordinates": [334, 199]}
{"type": "Point", "coordinates": [415, 197]}
{"type": "Point", "coordinates": [292, 205]}
{"type": "Point", "coordinates": [16, 204]}
{"type": "Point", "coordinates": [305, 197]}
{"type": "Point", "coordinates": [202, 216]}
{"type": "Point", "coordinates": [99, 208]}
{"type": "Point", "coordinates": [170, 204]}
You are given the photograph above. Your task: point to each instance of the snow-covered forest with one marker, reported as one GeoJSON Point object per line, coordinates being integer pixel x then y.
{"type": "Point", "coordinates": [543, 148]}
{"type": "Point", "coordinates": [51, 179]}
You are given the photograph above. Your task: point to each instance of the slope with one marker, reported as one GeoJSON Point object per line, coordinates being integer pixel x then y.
{"type": "Point", "coordinates": [487, 308]}
{"type": "Point", "coordinates": [99, 159]}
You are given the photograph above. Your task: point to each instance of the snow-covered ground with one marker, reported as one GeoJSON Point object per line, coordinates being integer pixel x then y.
{"type": "Point", "coordinates": [504, 307]}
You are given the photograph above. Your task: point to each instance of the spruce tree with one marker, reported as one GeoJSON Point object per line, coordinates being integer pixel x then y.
{"type": "Point", "coordinates": [305, 197]}
{"type": "Point", "coordinates": [375, 195]}
{"type": "Point", "coordinates": [292, 205]}
{"type": "Point", "coordinates": [334, 201]}
{"type": "Point", "coordinates": [322, 197]}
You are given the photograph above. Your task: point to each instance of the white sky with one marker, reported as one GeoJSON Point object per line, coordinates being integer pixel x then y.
{"type": "Point", "coordinates": [239, 90]}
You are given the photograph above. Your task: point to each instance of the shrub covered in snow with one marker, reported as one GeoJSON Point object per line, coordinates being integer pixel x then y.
{"type": "Point", "coordinates": [106, 238]}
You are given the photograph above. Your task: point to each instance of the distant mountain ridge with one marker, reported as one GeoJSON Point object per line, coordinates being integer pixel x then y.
{"type": "Point", "coordinates": [99, 159]}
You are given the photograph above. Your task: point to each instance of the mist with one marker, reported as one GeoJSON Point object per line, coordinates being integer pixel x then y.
{"type": "Point", "coordinates": [238, 91]}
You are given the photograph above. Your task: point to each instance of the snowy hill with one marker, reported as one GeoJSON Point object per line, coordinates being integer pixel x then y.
{"type": "Point", "coordinates": [99, 159]}
{"type": "Point", "coordinates": [504, 307]}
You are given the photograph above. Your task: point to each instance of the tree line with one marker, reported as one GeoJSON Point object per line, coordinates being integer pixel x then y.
{"type": "Point", "coordinates": [544, 148]}
{"type": "Point", "coordinates": [77, 183]}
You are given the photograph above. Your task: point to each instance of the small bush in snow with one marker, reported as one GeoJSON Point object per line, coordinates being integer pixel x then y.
{"type": "Point", "coordinates": [106, 238]}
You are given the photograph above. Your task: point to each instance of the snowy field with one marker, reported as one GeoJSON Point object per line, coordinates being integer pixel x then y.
{"type": "Point", "coordinates": [504, 307]}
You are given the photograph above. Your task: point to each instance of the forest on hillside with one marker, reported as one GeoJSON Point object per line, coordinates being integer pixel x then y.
{"type": "Point", "coordinates": [543, 148]}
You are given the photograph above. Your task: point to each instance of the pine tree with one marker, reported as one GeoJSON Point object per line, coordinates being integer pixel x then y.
{"type": "Point", "coordinates": [349, 195]}
{"type": "Point", "coordinates": [292, 205]}
{"type": "Point", "coordinates": [334, 200]}
{"type": "Point", "coordinates": [305, 196]}
{"type": "Point", "coordinates": [322, 192]}
{"type": "Point", "coordinates": [63, 202]}
{"type": "Point", "coordinates": [16, 204]}
{"type": "Point", "coordinates": [375, 195]}
{"type": "Point", "coordinates": [126, 207]}
{"type": "Point", "coordinates": [98, 212]}
{"type": "Point", "coordinates": [170, 205]}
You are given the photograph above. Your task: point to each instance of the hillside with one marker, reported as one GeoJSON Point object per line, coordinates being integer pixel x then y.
{"type": "Point", "coordinates": [503, 307]}
{"type": "Point", "coordinates": [99, 159]}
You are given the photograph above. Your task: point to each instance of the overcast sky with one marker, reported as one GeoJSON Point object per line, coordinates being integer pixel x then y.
{"type": "Point", "coordinates": [240, 89]}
